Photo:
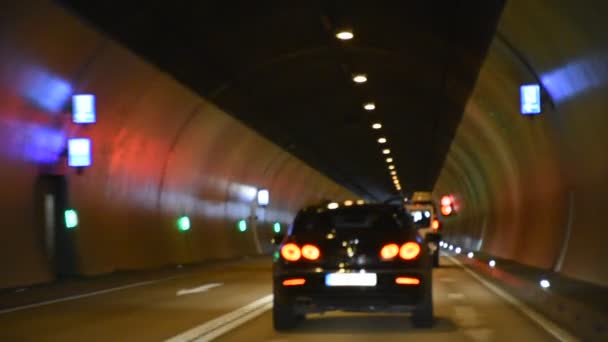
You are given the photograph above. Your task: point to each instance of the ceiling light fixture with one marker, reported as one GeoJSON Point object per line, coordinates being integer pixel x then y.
{"type": "Point", "coordinates": [360, 78]}
{"type": "Point", "coordinates": [377, 125]}
{"type": "Point", "coordinates": [393, 173]}
{"type": "Point", "coordinates": [345, 35]}
{"type": "Point", "coordinates": [391, 167]}
{"type": "Point", "coordinates": [389, 160]}
{"type": "Point", "coordinates": [369, 106]}
{"type": "Point", "coordinates": [386, 151]}
{"type": "Point", "coordinates": [382, 140]}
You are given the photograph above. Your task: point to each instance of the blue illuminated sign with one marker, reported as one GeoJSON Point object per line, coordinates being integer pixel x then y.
{"type": "Point", "coordinates": [530, 99]}
{"type": "Point", "coordinates": [263, 197]}
{"type": "Point", "coordinates": [79, 152]}
{"type": "Point", "coordinates": [83, 109]}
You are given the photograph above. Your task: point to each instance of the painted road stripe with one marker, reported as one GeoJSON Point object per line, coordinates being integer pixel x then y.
{"type": "Point", "coordinates": [199, 289]}
{"type": "Point", "coordinates": [456, 296]}
{"type": "Point", "coordinates": [546, 324]}
{"type": "Point", "coordinates": [84, 295]}
{"type": "Point", "coordinates": [221, 325]}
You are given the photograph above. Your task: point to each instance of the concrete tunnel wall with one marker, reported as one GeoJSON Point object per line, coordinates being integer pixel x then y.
{"type": "Point", "coordinates": [159, 152]}
{"type": "Point", "coordinates": [533, 189]}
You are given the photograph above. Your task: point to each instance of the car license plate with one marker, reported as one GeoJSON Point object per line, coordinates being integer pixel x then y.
{"type": "Point", "coordinates": [351, 279]}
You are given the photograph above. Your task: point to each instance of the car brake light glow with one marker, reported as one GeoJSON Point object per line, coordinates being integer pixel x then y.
{"type": "Point", "coordinates": [409, 251]}
{"type": "Point", "coordinates": [407, 281]}
{"type": "Point", "coordinates": [446, 200]}
{"type": "Point", "coordinates": [435, 224]}
{"type": "Point", "coordinates": [310, 252]}
{"type": "Point", "coordinates": [389, 251]}
{"type": "Point", "coordinates": [446, 210]}
{"type": "Point", "coordinates": [294, 282]}
{"type": "Point", "coordinates": [291, 252]}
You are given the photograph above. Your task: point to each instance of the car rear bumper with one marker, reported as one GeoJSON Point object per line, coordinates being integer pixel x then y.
{"type": "Point", "coordinates": [385, 296]}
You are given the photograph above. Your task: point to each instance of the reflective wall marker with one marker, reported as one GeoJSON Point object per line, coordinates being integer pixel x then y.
{"type": "Point", "coordinates": [71, 218]}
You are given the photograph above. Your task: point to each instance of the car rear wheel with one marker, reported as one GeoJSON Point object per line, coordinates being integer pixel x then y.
{"type": "Point", "coordinates": [284, 317]}
{"type": "Point", "coordinates": [422, 317]}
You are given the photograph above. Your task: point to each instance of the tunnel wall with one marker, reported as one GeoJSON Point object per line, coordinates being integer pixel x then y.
{"type": "Point", "coordinates": [532, 189]}
{"type": "Point", "coordinates": [159, 152]}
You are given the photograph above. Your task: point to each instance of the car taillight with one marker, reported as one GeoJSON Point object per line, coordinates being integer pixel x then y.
{"type": "Point", "coordinates": [389, 251]}
{"type": "Point", "coordinates": [407, 281]}
{"type": "Point", "coordinates": [310, 252]}
{"type": "Point", "coordinates": [435, 224]}
{"type": "Point", "coordinates": [291, 252]}
{"type": "Point", "coordinates": [409, 251]}
{"type": "Point", "coordinates": [294, 282]}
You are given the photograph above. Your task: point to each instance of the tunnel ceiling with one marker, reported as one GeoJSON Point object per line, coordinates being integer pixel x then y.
{"type": "Point", "coordinates": [278, 67]}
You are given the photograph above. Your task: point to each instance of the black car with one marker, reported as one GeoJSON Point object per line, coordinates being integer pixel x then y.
{"type": "Point", "coordinates": [363, 258]}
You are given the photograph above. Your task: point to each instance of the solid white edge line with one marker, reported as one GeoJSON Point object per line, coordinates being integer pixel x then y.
{"type": "Point", "coordinates": [543, 322]}
{"type": "Point", "coordinates": [200, 332]}
{"type": "Point", "coordinates": [84, 295]}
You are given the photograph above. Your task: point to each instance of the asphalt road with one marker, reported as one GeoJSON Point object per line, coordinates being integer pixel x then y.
{"type": "Point", "coordinates": [232, 300]}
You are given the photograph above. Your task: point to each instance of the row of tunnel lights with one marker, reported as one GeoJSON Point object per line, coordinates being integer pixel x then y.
{"type": "Point", "coordinates": [183, 224]}
{"type": "Point", "coordinates": [371, 106]}
{"type": "Point", "coordinates": [544, 283]}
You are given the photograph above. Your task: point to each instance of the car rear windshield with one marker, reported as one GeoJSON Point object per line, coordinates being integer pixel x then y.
{"type": "Point", "coordinates": [372, 218]}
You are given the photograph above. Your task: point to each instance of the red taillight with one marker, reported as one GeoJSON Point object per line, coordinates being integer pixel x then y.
{"type": "Point", "coordinates": [291, 252]}
{"type": "Point", "coordinates": [407, 281]}
{"type": "Point", "coordinates": [310, 252]}
{"type": "Point", "coordinates": [446, 210]}
{"type": "Point", "coordinates": [446, 200]}
{"type": "Point", "coordinates": [409, 251]}
{"type": "Point", "coordinates": [435, 224]}
{"type": "Point", "coordinates": [389, 251]}
{"type": "Point", "coordinates": [294, 282]}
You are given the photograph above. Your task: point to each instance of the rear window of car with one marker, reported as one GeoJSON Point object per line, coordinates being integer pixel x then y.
{"type": "Point", "coordinates": [372, 218]}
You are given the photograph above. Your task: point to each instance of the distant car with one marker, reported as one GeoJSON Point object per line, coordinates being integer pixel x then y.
{"type": "Point", "coordinates": [425, 217]}
{"type": "Point", "coordinates": [360, 258]}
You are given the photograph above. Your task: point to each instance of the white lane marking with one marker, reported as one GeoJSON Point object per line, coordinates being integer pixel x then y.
{"type": "Point", "coordinates": [546, 324]}
{"type": "Point", "coordinates": [455, 296]}
{"type": "Point", "coordinates": [85, 295]}
{"type": "Point", "coordinates": [221, 325]}
{"type": "Point", "coordinates": [199, 289]}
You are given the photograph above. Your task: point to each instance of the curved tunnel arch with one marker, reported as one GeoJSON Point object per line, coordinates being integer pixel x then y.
{"type": "Point", "coordinates": [551, 169]}
{"type": "Point", "coordinates": [556, 191]}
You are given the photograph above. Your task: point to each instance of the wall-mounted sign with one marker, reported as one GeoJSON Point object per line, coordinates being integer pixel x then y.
{"type": "Point", "coordinates": [263, 197]}
{"type": "Point", "coordinates": [79, 152]}
{"type": "Point", "coordinates": [83, 109]}
{"type": "Point", "coordinates": [530, 99]}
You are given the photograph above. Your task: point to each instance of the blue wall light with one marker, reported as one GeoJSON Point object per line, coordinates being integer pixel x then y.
{"type": "Point", "coordinates": [79, 152]}
{"type": "Point", "coordinates": [263, 197]}
{"type": "Point", "coordinates": [83, 109]}
{"type": "Point", "coordinates": [530, 99]}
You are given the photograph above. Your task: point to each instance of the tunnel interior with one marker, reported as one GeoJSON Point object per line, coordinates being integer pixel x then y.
{"type": "Point", "coordinates": [202, 104]}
